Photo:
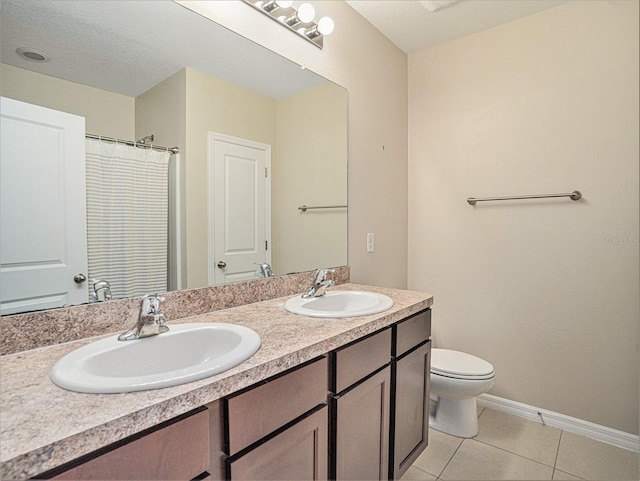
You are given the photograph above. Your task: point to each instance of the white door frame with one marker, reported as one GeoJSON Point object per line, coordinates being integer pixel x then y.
{"type": "Point", "coordinates": [211, 138]}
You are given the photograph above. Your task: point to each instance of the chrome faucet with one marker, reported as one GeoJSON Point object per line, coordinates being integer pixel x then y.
{"type": "Point", "coordinates": [320, 283]}
{"type": "Point", "coordinates": [101, 290]}
{"type": "Point", "coordinates": [264, 270]}
{"type": "Point", "coordinates": [150, 320]}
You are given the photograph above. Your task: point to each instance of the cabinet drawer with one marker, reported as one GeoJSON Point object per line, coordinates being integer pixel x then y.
{"type": "Point", "coordinates": [360, 359]}
{"type": "Point", "coordinates": [412, 331]}
{"type": "Point", "coordinates": [255, 413]}
{"type": "Point", "coordinates": [177, 451]}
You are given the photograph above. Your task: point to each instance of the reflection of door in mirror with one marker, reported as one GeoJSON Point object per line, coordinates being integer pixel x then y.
{"type": "Point", "coordinates": [239, 199]}
{"type": "Point", "coordinates": [81, 219]}
{"type": "Point", "coordinates": [43, 208]}
{"type": "Point", "coordinates": [127, 93]}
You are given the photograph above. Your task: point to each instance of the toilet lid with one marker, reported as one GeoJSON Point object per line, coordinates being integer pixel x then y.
{"type": "Point", "coordinates": [459, 365]}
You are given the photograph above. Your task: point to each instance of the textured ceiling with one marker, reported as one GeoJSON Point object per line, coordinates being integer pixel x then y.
{"type": "Point", "coordinates": [411, 25]}
{"type": "Point", "coordinates": [129, 46]}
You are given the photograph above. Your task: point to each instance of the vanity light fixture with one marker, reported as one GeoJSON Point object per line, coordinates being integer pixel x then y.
{"type": "Point", "coordinates": [273, 4]}
{"type": "Point", "coordinates": [298, 20]}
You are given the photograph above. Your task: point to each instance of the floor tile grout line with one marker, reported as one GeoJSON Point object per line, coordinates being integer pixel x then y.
{"type": "Point", "coordinates": [552, 466]}
{"type": "Point", "coordinates": [515, 454]}
{"type": "Point", "coordinates": [424, 471]}
{"type": "Point", "coordinates": [454, 453]}
{"type": "Point", "coordinates": [555, 461]}
{"type": "Point", "coordinates": [451, 458]}
{"type": "Point", "coordinates": [520, 455]}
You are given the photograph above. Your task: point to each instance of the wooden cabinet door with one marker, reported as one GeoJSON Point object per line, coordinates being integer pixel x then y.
{"type": "Point", "coordinates": [411, 408]}
{"type": "Point", "coordinates": [362, 429]}
{"type": "Point", "coordinates": [297, 453]}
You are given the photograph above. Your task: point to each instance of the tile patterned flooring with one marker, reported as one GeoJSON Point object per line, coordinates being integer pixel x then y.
{"type": "Point", "coordinates": [508, 447]}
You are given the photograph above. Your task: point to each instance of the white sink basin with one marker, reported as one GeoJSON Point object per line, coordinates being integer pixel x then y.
{"type": "Point", "coordinates": [187, 352]}
{"type": "Point", "coordinates": [340, 304]}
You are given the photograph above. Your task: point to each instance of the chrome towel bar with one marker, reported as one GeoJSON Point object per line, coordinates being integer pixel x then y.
{"type": "Point", "coordinates": [304, 208]}
{"type": "Point", "coordinates": [575, 195]}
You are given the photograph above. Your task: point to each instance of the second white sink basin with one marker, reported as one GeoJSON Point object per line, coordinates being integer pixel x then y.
{"type": "Point", "coordinates": [186, 353]}
{"type": "Point", "coordinates": [338, 304]}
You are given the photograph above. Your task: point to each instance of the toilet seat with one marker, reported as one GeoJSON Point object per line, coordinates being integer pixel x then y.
{"type": "Point", "coordinates": [460, 365]}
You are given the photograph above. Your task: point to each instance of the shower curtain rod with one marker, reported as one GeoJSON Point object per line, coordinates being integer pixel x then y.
{"type": "Point", "coordinates": [173, 150]}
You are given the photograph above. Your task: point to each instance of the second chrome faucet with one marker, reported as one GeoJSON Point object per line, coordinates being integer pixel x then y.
{"type": "Point", "coordinates": [320, 283]}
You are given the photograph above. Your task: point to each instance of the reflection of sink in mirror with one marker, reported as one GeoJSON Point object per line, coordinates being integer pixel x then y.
{"type": "Point", "coordinates": [338, 304]}
{"type": "Point", "coordinates": [188, 352]}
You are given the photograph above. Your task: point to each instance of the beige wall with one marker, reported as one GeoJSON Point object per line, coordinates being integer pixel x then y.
{"type": "Point", "coordinates": [374, 71]}
{"type": "Point", "coordinates": [545, 290]}
{"type": "Point", "coordinates": [106, 113]}
{"type": "Point", "coordinates": [161, 111]}
{"type": "Point", "coordinates": [310, 169]}
{"type": "Point", "coordinates": [238, 112]}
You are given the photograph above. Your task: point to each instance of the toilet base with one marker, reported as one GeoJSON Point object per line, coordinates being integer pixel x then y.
{"type": "Point", "coordinates": [458, 417]}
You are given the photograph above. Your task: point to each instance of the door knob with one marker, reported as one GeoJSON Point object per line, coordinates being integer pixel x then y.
{"type": "Point", "coordinates": [79, 278]}
{"type": "Point", "coordinates": [222, 264]}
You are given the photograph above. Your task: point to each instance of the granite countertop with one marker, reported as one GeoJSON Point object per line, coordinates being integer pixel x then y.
{"type": "Point", "coordinates": [44, 426]}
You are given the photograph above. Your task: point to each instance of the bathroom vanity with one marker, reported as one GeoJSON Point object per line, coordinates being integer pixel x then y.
{"type": "Point", "coordinates": [322, 398]}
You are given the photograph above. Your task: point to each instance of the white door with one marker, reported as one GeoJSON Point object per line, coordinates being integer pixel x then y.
{"type": "Point", "coordinates": [239, 208]}
{"type": "Point", "coordinates": [43, 241]}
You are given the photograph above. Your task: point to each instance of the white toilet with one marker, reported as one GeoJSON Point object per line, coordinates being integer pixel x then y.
{"type": "Point", "coordinates": [456, 379]}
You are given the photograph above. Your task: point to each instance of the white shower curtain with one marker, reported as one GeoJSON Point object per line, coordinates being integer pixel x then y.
{"type": "Point", "coordinates": [127, 210]}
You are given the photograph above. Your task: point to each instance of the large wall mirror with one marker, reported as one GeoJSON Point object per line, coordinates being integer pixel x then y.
{"type": "Point", "coordinates": [137, 68]}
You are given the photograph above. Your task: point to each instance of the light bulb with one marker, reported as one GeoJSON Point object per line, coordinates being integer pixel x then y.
{"type": "Point", "coordinates": [306, 12]}
{"type": "Point", "coordinates": [325, 26]}
{"type": "Point", "coordinates": [283, 3]}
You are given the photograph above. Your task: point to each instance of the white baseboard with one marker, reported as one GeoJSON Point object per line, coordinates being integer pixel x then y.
{"type": "Point", "coordinates": [620, 439]}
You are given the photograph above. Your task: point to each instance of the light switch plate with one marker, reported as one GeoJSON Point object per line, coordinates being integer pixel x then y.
{"type": "Point", "coordinates": [370, 242]}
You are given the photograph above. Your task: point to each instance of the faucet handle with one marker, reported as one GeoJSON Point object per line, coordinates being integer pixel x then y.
{"type": "Point", "coordinates": [150, 304]}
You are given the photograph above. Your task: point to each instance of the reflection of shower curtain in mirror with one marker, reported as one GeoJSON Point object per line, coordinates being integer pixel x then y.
{"type": "Point", "coordinates": [127, 205]}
